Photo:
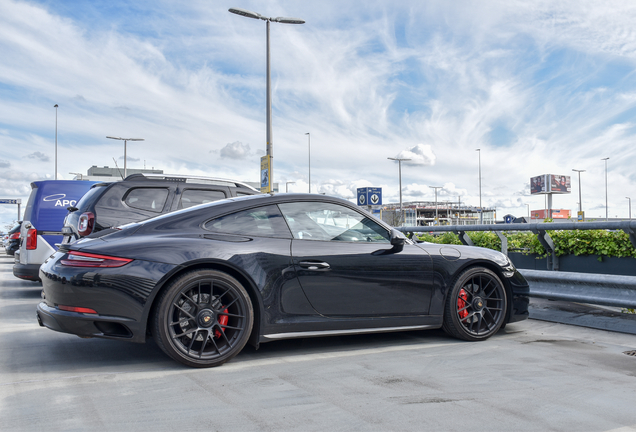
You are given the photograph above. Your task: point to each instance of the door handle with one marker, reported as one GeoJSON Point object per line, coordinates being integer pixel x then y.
{"type": "Point", "coordinates": [313, 265]}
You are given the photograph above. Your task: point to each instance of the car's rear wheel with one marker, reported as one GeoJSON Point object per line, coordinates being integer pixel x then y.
{"type": "Point", "coordinates": [203, 318]}
{"type": "Point", "coordinates": [476, 305]}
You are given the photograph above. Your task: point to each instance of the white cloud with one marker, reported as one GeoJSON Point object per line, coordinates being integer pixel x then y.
{"type": "Point", "coordinates": [421, 154]}
{"type": "Point", "coordinates": [39, 156]}
{"type": "Point", "coordinates": [235, 150]}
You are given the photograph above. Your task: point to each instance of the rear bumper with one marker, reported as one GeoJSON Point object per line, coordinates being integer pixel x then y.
{"type": "Point", "coordinates": [27, 271]}
{"type": "Point", "coordinates": [89, 325]}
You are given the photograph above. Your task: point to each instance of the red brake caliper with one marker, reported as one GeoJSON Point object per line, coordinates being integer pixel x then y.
{"type": "Point", "coordinates": [223, 319]}
{"type": "Point", "coordinates": [461, 304]}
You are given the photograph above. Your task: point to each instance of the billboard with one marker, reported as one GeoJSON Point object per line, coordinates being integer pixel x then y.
{"type": "Point", "coordinates": [266, 169]}
{"type": "Point", "coordinates": [538, 184]}
{"type": "Point", "coordinates": [550, 183]}
{"type": "Point", "coordinates": [560, 184]}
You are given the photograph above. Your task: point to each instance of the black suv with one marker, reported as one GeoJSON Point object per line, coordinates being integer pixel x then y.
{"type": "Point", "coordinates": [142, 196]}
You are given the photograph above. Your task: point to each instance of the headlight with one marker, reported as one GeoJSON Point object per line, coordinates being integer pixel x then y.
{"type": "Point", "coordinates": [506, 265]}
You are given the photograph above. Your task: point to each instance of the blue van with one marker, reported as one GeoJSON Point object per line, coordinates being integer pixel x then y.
{"type": "Point", "coordinates": [42, 222]}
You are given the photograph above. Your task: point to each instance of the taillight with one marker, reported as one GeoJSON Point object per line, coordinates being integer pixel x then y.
{"type": "Point", "coordinates": [85, 224]}
{"type": "Point", "coordinates": [76, 309]}
{"type": "Point", "coordinates": [32, 239]}
{"type": "Point", "coordinates": [14, 236]}
{"type": "Point", "coordinates": [84, 259]}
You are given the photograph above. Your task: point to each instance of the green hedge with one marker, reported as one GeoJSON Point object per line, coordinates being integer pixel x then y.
{"type": "Point", "coordinates": [576, 242]}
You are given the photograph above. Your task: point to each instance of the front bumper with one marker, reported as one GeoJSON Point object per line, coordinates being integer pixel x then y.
{"type": "Point", "coordinates": [520, 297]}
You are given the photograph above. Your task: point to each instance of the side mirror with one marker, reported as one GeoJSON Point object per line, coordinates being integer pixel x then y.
{"type": "Point", "coordinates": [397, 241]}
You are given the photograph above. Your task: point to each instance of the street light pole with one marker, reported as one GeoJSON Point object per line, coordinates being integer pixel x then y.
{"type": "Point", "coordinates": [481, 211]}
{"type": "Point", "coordinates": [630, 207]}
{"type": "Point", "coordinates": [580, 200]}
{"type": "Point", "coordinates": [309, 138]}
{"type": "Point", "coordinates": [55, 106]}
{"type": "Point", "coordinates": [606, 208]}
{"type": "Point", "coordinates": [400, 176]}
{"type": "Point", "coordinates": [528, 205]}
{"type": "Point", "coordinates": [268, 107]}
{"type": "Point", "coordinates": [125, 140]}
{"type": "Point", "coordinates": [436, 214]}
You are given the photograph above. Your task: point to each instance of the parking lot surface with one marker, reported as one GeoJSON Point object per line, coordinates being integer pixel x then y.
{"type": "Point", "coordinates": [533, 375]}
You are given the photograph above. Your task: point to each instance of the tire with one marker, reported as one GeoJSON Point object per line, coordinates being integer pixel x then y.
{"type": "Point", "coordinates": [476, 305]}
{"type": "Point", "coordinates": [203, 319]}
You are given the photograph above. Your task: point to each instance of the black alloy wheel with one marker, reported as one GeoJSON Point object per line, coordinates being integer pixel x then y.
{"type": "Point", "coordinates": [476, 305]}
{"type": "Point", "coordinates": [203, 318]}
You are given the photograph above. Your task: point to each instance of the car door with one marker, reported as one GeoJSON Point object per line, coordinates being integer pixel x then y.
{"type": "Point", "coordinates": [347, 267]}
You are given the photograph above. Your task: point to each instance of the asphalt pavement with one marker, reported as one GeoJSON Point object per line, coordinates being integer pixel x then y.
{"type": "Point", "coordinates": [532, 376]}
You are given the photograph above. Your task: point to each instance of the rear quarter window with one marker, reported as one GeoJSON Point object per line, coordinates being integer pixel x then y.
{"type": "Point", "coordinates": [259, 222]}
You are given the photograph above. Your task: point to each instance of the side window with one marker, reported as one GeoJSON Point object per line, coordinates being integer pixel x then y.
{"type": "Point", "coordinates": [150, 199]}
{"type": "Point", "coordinates": [331, 222]}
{"type": "Point", "coordinates": [192, 197]}
{"type": "Point", "coordinates": [260, 222]}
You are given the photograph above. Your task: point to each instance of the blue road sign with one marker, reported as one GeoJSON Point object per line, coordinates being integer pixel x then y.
{"type": "Point", "coordinates": [10, 201]}
{"type": "Point", "coordinates": [369, 196]}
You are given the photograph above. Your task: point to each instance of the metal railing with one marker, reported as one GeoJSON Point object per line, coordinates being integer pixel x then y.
{"type": "Point", "coordinates": [602, 289]}
{"type": "Point", "coordinates": [540, 229]}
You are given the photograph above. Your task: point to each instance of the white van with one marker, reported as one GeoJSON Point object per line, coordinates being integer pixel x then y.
{"type": "Point", "coordinates": [42, 223]}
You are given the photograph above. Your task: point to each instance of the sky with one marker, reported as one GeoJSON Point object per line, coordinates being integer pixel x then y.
{"type": "Point", "coordinates": [539, 87]}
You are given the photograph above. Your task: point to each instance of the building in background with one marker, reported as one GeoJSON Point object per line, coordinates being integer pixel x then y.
{"type": "Point", "coordinates": [107, 174]}
{"type": "Point", "coordinates": [422, 213]}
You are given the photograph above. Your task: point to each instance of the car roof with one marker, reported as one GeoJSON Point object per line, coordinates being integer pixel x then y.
{"type": "Point", "coordinates": [179, 178]}
{"type": "Point", "coordinates": [230, 205]}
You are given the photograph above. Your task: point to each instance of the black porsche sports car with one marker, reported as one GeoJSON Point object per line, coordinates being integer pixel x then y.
{"type": "Point", "coordinates": [206, 280]}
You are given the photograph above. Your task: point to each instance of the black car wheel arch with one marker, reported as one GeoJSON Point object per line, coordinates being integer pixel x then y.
{"type": "Point", "coordinates": [493, 268]}
{"type": "Point", "coordinates": [477, 304]}
{"type": "Point", "coordinates": [244, 280]}
{"type": "Point", "coordinates": [203, 318]}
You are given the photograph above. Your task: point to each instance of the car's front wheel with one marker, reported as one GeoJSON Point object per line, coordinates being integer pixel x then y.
{"type": "Point", "coordinates": [476, 305]}
{"type": "Point", "coordinates": [203, 318]}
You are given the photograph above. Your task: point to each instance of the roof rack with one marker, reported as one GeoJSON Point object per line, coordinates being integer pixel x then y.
{"type": "Point", "coordinates": [192, 179]}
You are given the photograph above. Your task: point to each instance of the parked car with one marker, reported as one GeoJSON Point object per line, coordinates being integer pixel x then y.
{"type": "Point", "coordinates": [13, 239]}
{"type": "Point", "coordinates": [42, 223]}
{"type": "Point", "coordinates": [206, 280]}
{"type": "Point", "coordinates": [142, 196]}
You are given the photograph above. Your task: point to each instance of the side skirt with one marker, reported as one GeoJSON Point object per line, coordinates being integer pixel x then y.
{"type": "Point", "coordinates": [305, 334]}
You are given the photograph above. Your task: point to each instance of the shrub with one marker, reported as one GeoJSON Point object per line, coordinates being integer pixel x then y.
{"type": "Point", "coordinates": [603, 243]}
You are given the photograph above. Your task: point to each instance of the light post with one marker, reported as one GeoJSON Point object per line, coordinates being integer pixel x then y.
{"type": "Point", "coordinates": [400, 176]}
{"type": "Point", "coordinates": [481, 211]}
{"type": "Point", "coordinates": [436, 214]}
{"type": "Point", "coordinates": [606, 208]}
{"type": "Point", "coordinates": [630, 207]}
{"type": "Point", "coordinates": [55, 106]}
{"type": "Point", "coordinates": [309, 138]}
{"type": "Point", "coordinates": [580, 200]}
{"type": "Point", "coordinates": [268, 102]}
{"type": "Point", "coordinates": [125, 140]}
{"type": "Point", "coordinates": [528, 205]}
{"type": "Point", "coordinates": [287, 186]}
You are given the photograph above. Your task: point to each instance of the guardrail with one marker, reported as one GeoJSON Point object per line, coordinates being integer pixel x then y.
{"type": "Point", "coordinates": [601, 289]}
